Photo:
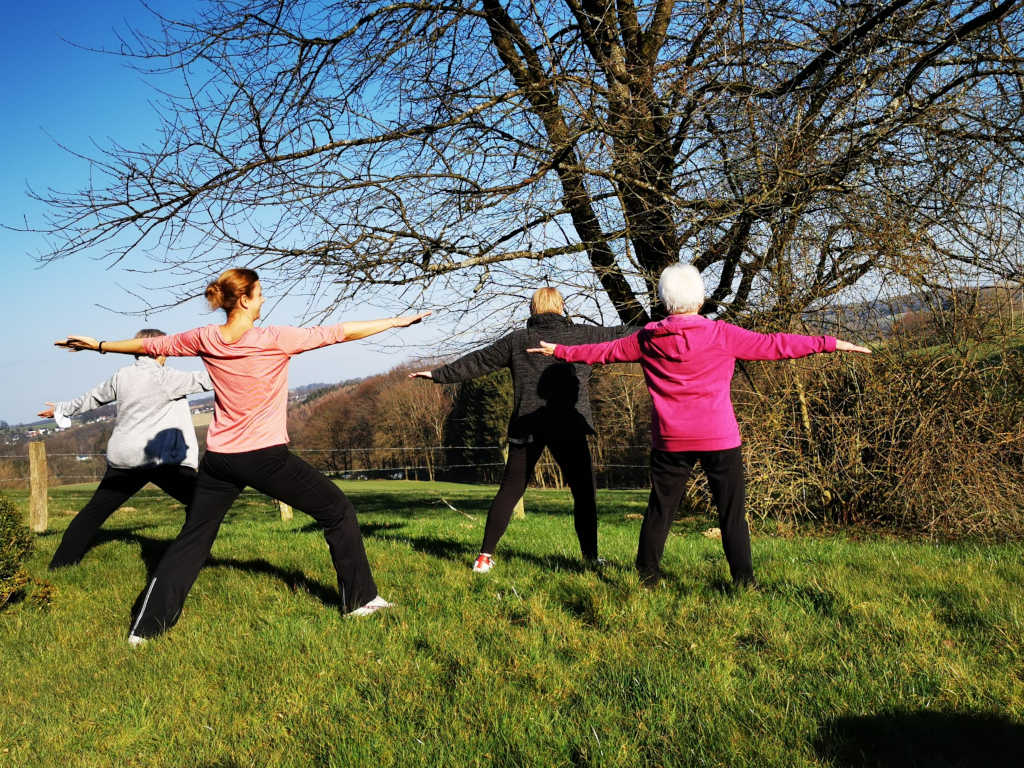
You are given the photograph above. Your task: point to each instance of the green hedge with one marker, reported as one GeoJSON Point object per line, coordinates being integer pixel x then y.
{"type": "Point", "coordinates": [15, 545]}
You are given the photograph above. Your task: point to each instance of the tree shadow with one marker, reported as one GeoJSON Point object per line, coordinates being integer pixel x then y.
{"type": "Point", "coordinates": [933, 739]}
{"type": "Point", "coordinates": [454, 550]}
{"type": "Point", "coordinates": [367, 529]}
{"type": "Point", "coordinates": [435, 546]}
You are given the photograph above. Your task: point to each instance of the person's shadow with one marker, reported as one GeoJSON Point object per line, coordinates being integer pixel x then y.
{"type": "Point", "coordinates": [152, 550]}
{"type": "Point", "coordinates": [934, 739]}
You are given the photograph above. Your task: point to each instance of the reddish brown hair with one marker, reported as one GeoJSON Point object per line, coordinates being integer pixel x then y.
{"type": "Point", "coordinates": [233, 284]}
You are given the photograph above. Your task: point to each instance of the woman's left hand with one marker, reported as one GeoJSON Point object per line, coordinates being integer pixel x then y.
{"type": "Point", "coordinates": [845, 346]}
{"type": "Point", "coordinates": [407, 320]}
{"type": "Point", "coordinates": [545, 349]}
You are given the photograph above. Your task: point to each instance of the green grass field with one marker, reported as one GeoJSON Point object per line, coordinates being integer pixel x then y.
{"type": "Point", "coordinates": [854, 651]}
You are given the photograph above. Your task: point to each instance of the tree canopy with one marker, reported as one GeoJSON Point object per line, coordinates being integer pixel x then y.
{"type": "Point", "coordinates": [458, 149]}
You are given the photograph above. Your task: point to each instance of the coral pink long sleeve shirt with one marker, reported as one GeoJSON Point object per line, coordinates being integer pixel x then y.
{"type": "Point", "coordinates": [250, 378]}
{"type": "Point", "coordinates": [688, 362]}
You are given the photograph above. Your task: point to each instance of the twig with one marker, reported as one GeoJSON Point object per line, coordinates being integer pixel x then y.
{"type": "Point", "coordinates": [453, 509]}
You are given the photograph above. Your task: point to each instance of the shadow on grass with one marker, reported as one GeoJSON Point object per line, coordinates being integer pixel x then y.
{"type": "Point", "coordinates": [292, 578]}
{"type": "Point", "coordinates": [420, 504]}
{"type": "Point", "coordinates": [435, 546]}
{"type": "Point", "coordinates": [408, 505]}
{"type": "Point", "coordinates": [367, 529]}
{"type": "Point", "coordinates": [152, 550]}
{"type": "Point", "coordinates": [460, 551]}
{"type": "Point", "coordinates": [933, 739]}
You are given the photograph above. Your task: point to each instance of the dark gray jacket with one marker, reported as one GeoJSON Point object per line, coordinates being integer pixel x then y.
{"type": "Point", "coordinates": [552, 397]}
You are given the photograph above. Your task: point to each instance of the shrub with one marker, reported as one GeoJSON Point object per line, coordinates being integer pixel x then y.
{"type": "Point", "coordinates": [15, 545]}
{"type": "Point", "coordinates": [928, 441]}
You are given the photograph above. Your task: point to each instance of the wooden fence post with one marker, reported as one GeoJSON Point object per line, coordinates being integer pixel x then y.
{"type": "Point", "coordinates": [519, 511]}
{"type": "Point", "coordinates": [286, 511]}
{"type": "Point", "coordinates": [37, 483]}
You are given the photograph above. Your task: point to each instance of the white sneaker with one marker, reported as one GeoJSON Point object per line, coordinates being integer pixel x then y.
{"type": "Point", "coordinates": [483, 564]}
{"type": "Point", "coordinates": [378, 603]}
{"type": "Point", "coordinates": [136, 640]}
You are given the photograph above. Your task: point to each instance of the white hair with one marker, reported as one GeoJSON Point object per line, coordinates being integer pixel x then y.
{"type": "Point", "coordinates": [681, 289]}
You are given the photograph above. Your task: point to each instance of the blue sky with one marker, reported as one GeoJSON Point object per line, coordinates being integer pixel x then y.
{"type": "Point", "coordinates": [55, 92]}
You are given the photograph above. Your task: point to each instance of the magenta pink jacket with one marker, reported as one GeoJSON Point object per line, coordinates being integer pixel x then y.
{"type": "Point", "coordinates": [688, 362]}
{"type": "Point", "coordinates": [250, 378]}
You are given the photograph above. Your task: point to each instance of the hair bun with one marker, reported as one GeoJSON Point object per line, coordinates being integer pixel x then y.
{"type": "Point", "coordinates": [215, 295]}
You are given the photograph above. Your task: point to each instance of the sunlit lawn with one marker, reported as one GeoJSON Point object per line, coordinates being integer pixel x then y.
{"type": "Point", "coordinates": [852, 652]}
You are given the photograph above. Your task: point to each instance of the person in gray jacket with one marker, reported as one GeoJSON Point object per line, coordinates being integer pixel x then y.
{"type": "Point", "coordinates": [551, 408]}
{"type": "Point", "coordinates": [153, 441]}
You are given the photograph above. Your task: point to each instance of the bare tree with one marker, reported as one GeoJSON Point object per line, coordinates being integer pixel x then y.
{"type": "Point", "coordinates": [412, 415]}
{"type": "Point", "coordinates": [450, 150]}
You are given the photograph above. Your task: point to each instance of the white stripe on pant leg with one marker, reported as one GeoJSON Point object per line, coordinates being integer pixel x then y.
{"type": "Point", "coordinates": [145, 602]}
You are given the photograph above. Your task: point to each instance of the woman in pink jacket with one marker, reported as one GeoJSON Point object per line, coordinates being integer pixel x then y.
{"type": "Point", "coordinates": [688, 363]}
{"type": "Point", "coordinates": [247, 444]}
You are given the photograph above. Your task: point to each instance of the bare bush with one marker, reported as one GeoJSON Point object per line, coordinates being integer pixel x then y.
{"type": "Point", "coordinates": [929, 441]}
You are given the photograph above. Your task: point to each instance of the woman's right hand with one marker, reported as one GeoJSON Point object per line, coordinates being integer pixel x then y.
{"type": "Point", "coordinates": [48, 413]}
{"type": "Point", "coordinates": [421, 375]}
{"type": "Point", "coordinates": [77, 343]}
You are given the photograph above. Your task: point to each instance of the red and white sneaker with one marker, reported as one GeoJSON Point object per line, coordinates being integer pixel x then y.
{"type": "Point", "coordinates": [483, 564]}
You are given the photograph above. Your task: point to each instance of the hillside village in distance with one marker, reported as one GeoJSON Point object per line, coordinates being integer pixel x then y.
{"type": "Point", "coordinates": [12, 435]}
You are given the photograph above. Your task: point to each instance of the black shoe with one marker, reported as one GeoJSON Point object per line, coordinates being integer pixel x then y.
{"type": "Point", "coordinates": [650, 579]}
{"type": "Point", "coordinates": [746, 583]}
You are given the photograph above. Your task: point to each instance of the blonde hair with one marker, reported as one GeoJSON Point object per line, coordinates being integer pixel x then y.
{"type": "Point", "coordinates": [546, 300]}
{"type": "Point", "coordinates": [233, 284]}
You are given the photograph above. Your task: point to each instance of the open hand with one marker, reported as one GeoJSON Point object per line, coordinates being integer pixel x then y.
{"type": "Point", "coordinates": [845, 346]}
{"type": "Point", "coordinates": [48, 413]}
{"type": "Point", "coordinates": [77, 343]}
{"type": "Point", "coordinates": [545, 349]}
{"type": "Point", "coordinates": [421, 375]}
{"type": "Point", "coordinates": [407, 320]}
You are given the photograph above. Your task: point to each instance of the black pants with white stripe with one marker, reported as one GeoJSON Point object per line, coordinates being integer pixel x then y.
{"type": "Point", "coordinates": [573, 457]}
{"type": "Point", "coordinates": [669, 472]}
{"type": "Point", "coordinates": [117, 486]}
{"type": "Point", "coordinates": [281, 475]}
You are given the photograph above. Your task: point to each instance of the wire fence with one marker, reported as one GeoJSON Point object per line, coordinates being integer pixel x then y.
{"type": "Point", "coordinates": [626, 468]}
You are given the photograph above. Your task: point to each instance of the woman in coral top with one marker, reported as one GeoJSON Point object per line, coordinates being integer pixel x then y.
{"type": "Point", "coordinates": [247, 444]}
{"type": "Point", "coordinates": [688, 363]}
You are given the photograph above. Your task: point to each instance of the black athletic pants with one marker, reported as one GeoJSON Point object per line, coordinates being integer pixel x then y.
{"type": "Point", "coordinates": [669, 473]}
{"type": "Point", "coordinates": [116, 487]}
{"type": "Point", "coordinates": [573, 456]}
{"type": "Point", "coordinates": [281, 475]}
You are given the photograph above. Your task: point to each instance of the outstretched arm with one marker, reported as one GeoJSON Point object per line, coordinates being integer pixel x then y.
{"type": "Point", "coordinates": [79, 343]}
{"type": "Point", "coordinates": [360, 329]}
{"type": "Point", "coordinates": [62, 410]}
{"type": "Point", "coordinates": [477, 363]}
{"type": "Point", "coordinates": [623, 350]}
{"type": "Point", "coordinates": [749, 345]}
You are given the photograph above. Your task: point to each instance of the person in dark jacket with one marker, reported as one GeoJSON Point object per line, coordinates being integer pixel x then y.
{"type": "Point", "coordinates": [551, 408]}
